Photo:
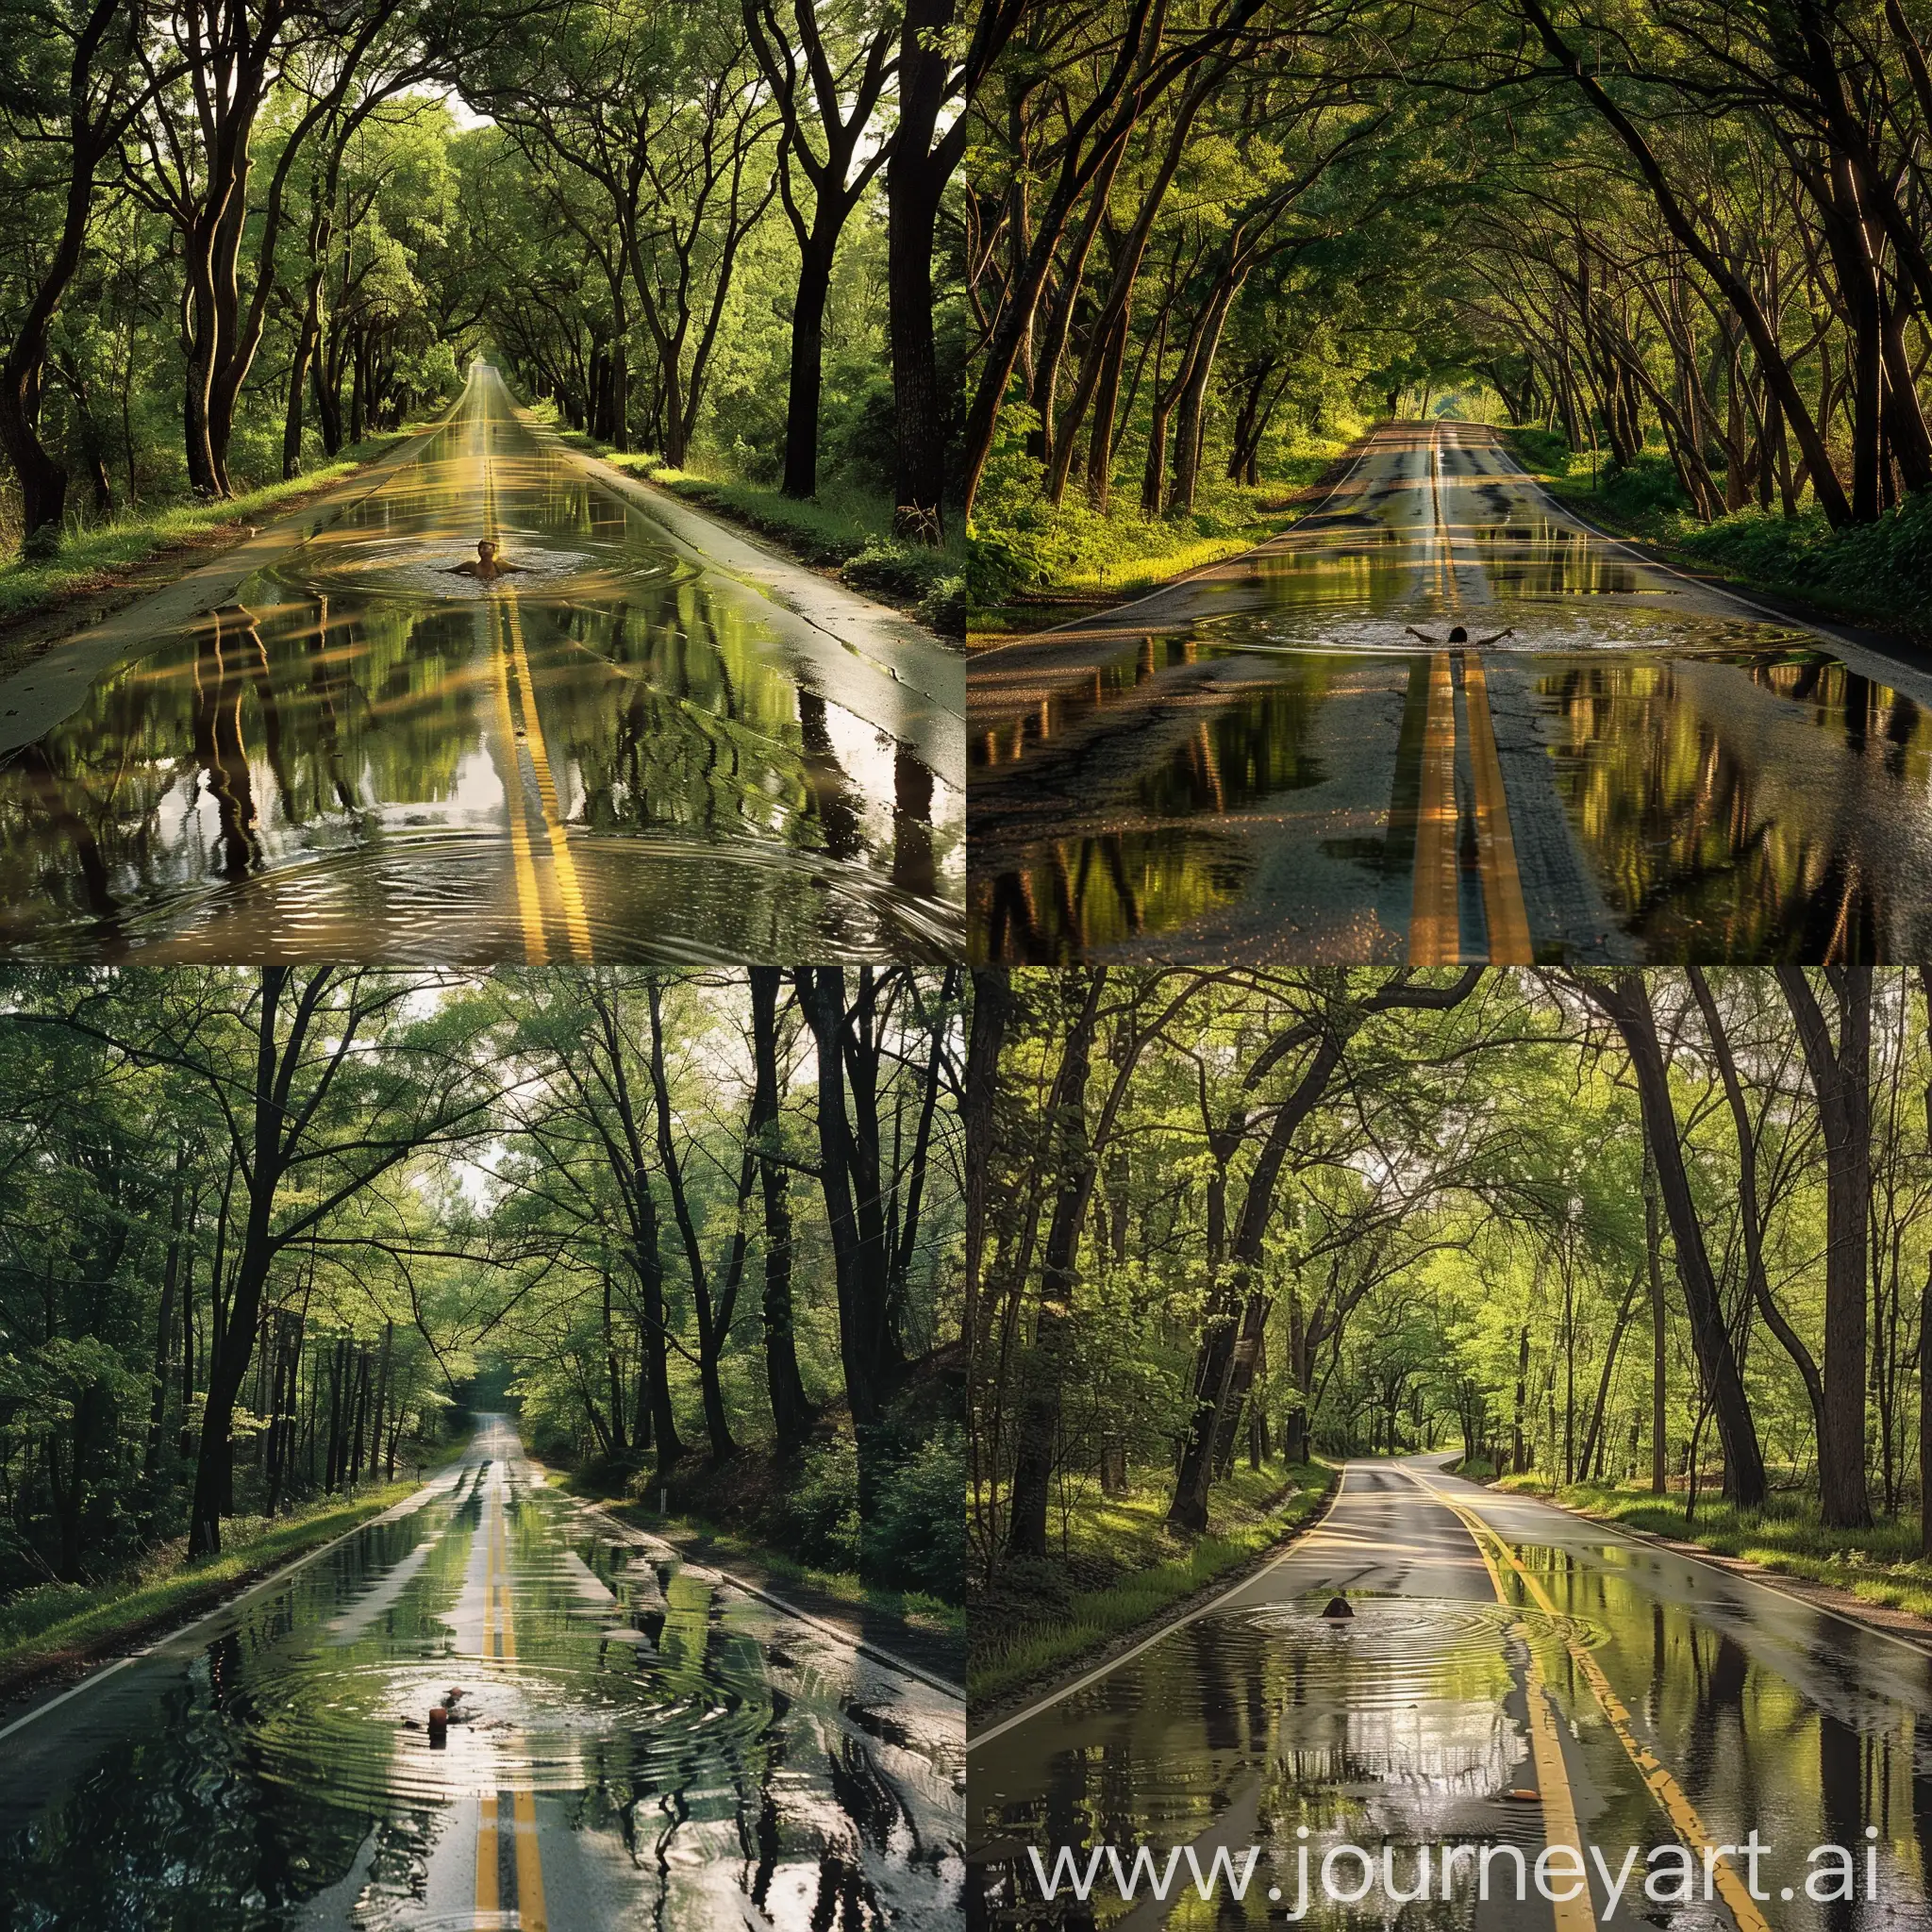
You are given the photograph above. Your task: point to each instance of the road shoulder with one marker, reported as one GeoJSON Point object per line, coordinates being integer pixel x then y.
{"type": "Point", "coordinates": [149, 1616]}
{"type": "Point", "coordinates": [989, 1712]}
{"type": "Point", "coordinates": [1900, 1625]}
{"type": "Point", "coordinates": [1083, 644]}
{"type": "Point", "coordinates": [46, 678]}
{"type": "Point", "coordinates": [887, 639]}
{"type": "Point", "coordinates": [939, 1655]}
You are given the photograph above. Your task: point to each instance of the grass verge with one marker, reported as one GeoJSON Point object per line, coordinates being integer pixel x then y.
{"type": "Point", "coordinates": [96, 556]}
{"type": "Point", "coordinates": [1881, 1565]}
{"type": "Point", "coordinates": [1030, 559]}
{"type": "Point", "coordinates": [1121, 1567]}
{"type": "Point", "coordinates": [847, 534]}
{"type": "Point", "coordinates": [58, 1623]}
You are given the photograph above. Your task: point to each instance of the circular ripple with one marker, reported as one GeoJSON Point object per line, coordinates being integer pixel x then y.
{"type": "Point", "coordinates": [1418, 1631]}
{"type": "Point", "coordinates": [419, 570]}
{"type": "Point", "coordinates": [359, 1736]}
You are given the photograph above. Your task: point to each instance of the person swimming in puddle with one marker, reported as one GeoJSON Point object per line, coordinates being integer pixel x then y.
{"type": "Point", "coordinates": [487, 565]}
{"type": "Point", "coordinates": [1458, 635]}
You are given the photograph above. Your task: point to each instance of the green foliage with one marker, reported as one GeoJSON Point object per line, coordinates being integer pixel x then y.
{"type": "Point", "coordinates": [917, 1537]}
{"type": "Point", "coordinates": [822, 1510]}
{"type": "Point", "coordinates": [1023, 542]}
{"type": "Point", "coordinates": [60, 1620]}
{"type": "Point", "coordinates": [1881, 570]}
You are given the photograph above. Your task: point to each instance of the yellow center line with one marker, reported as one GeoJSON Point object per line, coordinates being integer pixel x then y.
{"type": "Point", "coordinates": [488, 1901]}
{"type": "Point", "coordinates": [1575, 1914]}
{"type": "Point", "coordinates": [1503, 907]}
{"type": "Point", "coordinates": [1670, 1795]}
{"type": "Point", "coordinates": [532, 1913]}
{"type": "Point", "coordinates": [529, 907]}
{"type": "Point", "coordinates": [567, 889]}
{"type": "Point", "coordinates": [1434, 930]}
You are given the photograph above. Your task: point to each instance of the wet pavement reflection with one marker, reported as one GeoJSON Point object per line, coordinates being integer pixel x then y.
{"type": "Point", "coordinates": [1413, 1724]}
{"type": "Point", "coordinates": [1295, 760]}
{"type": "Point", "coordinates": [609, 753]}
{"type": "Point", "coordinates": [636, 1744]}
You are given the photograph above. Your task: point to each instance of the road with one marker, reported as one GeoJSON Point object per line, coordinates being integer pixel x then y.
{"type": "Point", "coordinates": [655, 740]}
{"type": "Point", "coordinates": [1512, 1676]}
{"type": "Point", "coordinates": [1264, 762]}
{"type": "Point", "coordinates": [649, 1747]}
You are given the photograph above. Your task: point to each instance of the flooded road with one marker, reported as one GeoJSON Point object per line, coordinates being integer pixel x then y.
{"type": "Point", "coordinates": [1286, 757]}
{"type": "Point", "coordinates": [646, 1746]}
{"type": "Point", "coordinates": [1512, 1678]}
{"type": "Point", "coordinates": [630, 747]}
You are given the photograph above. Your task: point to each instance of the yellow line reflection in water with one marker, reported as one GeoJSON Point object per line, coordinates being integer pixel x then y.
{"type": "Point", "coordinates": [529, 904]}
{"type": "Point", "coordinates": [1434, 937]}
{"type": "Point", "coordinates": [567, 887]}
{"type": "Point", "coordinates": [1657, 1776]}
{"type": "Point", "coordinates": [1496, 846]}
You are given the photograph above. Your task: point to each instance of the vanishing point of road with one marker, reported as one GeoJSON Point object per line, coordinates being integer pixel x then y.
{"type": "Point", "coordinates": [1288, 757]}
{"type": "Point", "coordinates": [648, 1744]}
{"type": "Point", "coordinates": [1512, 1676]}
{"type": "Point", "coordinates": [655, 740]}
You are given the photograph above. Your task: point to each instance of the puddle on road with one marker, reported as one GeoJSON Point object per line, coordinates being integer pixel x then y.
{"type": "Point", "coordinates": [368, 755]}
{"type": "Point", "coordinates": [692, 1758]}
{"type": "Point", "coordinates": [1249, 1726]}
{"type": "Point", "coordinates": [1715, 788]}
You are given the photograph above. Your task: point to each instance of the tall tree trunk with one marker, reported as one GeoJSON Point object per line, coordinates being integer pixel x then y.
{"type": "Point", "coordinates": [1841, 1082]}
{"type": "Point", "coordinates": [1654, 1263]}
{"type": "Point", "coordinates": [1625, 1000]}
{"type": "Point", "coordinates": [807, 377]}
{"type": "Point", "coordinates": [1036, 1431]}
{"type": "Point", "coordinates": [916, 177]}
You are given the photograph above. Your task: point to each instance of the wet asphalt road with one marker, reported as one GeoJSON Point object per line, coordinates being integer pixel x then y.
{"type": "Point", "coordinates": [648, 1747]}
{"type": "Point", "coordinates": [653, 741]}
{"type": "Point", "coordinates": [1266, 762]}
{"type": "Point", "coordinates": [1512, 1676]}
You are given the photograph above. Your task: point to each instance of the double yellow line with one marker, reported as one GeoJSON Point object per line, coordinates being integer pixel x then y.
{"type": "Point", "coordinates": [1435, 925]}
{"type": "Point", "coordinates": [500, 1640]}
{"type": "Point", "coordinates": [508, 654]}
{"type": "Point", "coordinates": [1559, 1810]}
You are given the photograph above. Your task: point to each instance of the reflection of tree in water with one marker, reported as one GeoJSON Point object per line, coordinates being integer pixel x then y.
{"type": "Point", "coordinates": [1079, 893]}
{"type": "Point", "coordinates": [1686, 848]}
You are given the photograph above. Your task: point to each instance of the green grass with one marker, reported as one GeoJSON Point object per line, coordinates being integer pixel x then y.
{"type": "Point", "coordinates": [1119, 1567]}
{"type": "Point", "coordinates": [846, 533]}
{"type": "Point", "coordinates": [922, 1612]}
{"type": "Point", "coordinates": [1881, 1565]}
{"type": "Point", "coordinates": [1029, 554]}
{"type": "Point", "coordinates": [92, 554]}
{"type": "Point", "coordinates": [62, 1618]}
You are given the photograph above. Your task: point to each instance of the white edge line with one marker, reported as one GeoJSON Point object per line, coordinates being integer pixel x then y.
{"type": "Point", "coordinates": [864, 1646]}
{"type": "Point", "coordinates": [1296, 1544]}
{"type": "Point", "coordinates": [1187, 577]}
{"type": "Point", "coordinates": [232, 1603]}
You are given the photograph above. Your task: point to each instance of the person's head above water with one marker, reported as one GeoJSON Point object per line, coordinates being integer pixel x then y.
{"type": "Point", "coordinates": [1458, 635]}
{"type": "Point", "coordinates": [486, 551]}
